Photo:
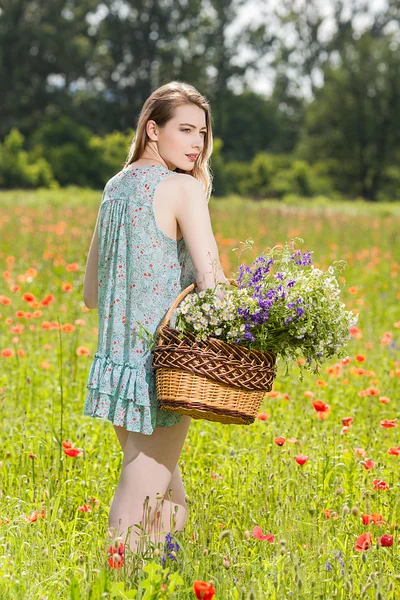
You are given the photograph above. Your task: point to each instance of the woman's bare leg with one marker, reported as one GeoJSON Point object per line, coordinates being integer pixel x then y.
{"type": "Point", "coordinates": [174, 502]}
{"type": "Point", "coordinates": [148, 467]}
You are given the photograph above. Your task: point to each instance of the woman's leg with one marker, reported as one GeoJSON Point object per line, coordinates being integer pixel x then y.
{"type": "Point", "coordinates": [174, 503]}
{"type": "Point", "coordinates": [122, 435]}
{"type": "Point", "coordinates": [147, 469]}
{"type": "Point", "coordinates": [174, 506]}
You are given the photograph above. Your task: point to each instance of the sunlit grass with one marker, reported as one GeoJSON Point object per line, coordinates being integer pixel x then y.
{"type": "Point", "coordinates": [54, 507]}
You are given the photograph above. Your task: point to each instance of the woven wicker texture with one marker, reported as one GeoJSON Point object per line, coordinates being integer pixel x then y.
{"type": "Point", "coordinates": [212, 379]}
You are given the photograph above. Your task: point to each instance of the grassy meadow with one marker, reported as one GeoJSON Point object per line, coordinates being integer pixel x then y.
{"type": "Point", "coordinates": [261, 526]}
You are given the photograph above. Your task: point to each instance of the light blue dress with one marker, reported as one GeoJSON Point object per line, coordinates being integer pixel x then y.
{"type": "Point", "coordinates": [141, 271]}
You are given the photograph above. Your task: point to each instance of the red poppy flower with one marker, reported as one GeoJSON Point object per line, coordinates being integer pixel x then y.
{"type": "Point", "coordinates": [203, 590]}
{"type": "Point", "coordinates": [258, 534]}
{"type": "Point", "coordinates": [363, 542]}
{"type": "Point", "coordinates": [321, 408]}
{"type": "Point", "coordinates": [386, 540]}
{"type": "Point", "coordinates": [73, 452]}
{"type": "Point", "coordinates": [379, 484]}
{"type": "Point", "coordinates": [394, 451]}
{"type": "Point", "coordinates": [368, 464]}
{"type": "Point", "coordinates": [279, 440]}
{"type": "Point", "coordinates": [320, 405]}
{"type": "Point", "coordinates": [301, 459]}
{"type": "Point", "coordinates": [384, 399]}
{"type": "Point", "coordinates": [360, 451]}
{"type": "Point", "coordinates": [263, 416]}
{"type": "Point", "coordinates": [346, 421]}
{"type": "Point", "coordinates": [116, 556]}
{"type": "Point", "coordinates": [330, 515]}
{"type": "Point", "coordinates": [388, 423]}
{"type": "Point", "coordinates": [374, 518]}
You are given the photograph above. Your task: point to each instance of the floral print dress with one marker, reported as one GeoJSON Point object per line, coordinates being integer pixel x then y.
{"type": "Point", "coordinates": [141, 271]}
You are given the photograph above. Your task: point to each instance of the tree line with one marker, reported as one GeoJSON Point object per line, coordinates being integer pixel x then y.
{"type": "Point", "coordinates": [76, 74]}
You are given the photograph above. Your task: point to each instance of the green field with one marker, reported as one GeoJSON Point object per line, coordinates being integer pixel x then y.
{"type": "Point", "coordinates": [236, 477]}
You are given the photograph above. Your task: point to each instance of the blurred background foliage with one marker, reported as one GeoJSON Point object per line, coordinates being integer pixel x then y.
{"type": "Point", "coordinates": [76, 74]}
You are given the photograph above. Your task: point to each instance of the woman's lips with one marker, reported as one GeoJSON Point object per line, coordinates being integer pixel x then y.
{"type": "Point", "coordinates": [192, 157]}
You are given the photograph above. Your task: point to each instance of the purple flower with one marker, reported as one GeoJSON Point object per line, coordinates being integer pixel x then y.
{"type": "Point", "coordinates": [249, 336]}
{"type": "Point", "coordinates": [305, 259]}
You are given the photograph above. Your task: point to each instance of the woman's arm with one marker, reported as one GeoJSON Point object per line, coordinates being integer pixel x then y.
{"type": "Point", "coordinates": [192, 214]}
{"type": "Point", "coordinates": [90, 284]}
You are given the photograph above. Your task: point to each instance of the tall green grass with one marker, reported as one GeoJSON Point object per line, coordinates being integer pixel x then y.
{"type": "Point", "coordinates": [236, 477]}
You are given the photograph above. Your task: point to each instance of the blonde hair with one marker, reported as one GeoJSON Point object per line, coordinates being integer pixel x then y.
{"type": "Point", "coordinates": [159, 108]}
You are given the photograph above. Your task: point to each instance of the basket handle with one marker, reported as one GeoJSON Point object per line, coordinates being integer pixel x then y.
{"type": "Point", "coordinates": [181, 296]}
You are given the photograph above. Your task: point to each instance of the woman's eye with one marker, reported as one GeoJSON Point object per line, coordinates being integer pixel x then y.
{"type": "Point", "coordinates": [204, 132]}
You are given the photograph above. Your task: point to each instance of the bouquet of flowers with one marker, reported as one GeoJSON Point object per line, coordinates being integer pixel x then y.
{"type": "Point", "coordinates": [283, 304]}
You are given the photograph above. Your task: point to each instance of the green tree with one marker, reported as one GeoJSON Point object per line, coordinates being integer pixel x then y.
{"type": "Point", "coordinates": [353, 119]}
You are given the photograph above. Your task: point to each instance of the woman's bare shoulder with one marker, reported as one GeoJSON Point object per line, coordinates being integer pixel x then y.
{"type": "Point", "coordinates": [183, 182]}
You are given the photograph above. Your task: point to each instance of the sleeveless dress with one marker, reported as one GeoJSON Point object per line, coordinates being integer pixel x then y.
{"type": "Point", "coordinates": [141, 271]}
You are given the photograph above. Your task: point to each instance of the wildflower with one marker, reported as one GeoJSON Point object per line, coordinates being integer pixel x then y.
{"type": "Point", "coordinates": [386, 540]}
{"type": "Point", "coordinates": [70, 450]}
{"type": "Point", "coordinates": [330, 515]}
{"type": "Point", "coordinates": [346, 421]}
{"type": "Point", "coordinates": [394, 451]}
{"type": "Point", "coordinates": [373, 518]}
{"type": "Point", "coordinates": [170, 548]}
{"type": "Point", "coordinates": [321, 408]}
{"type": "Point", "coordinates": [360, 451]}
{"type": "Point", "coordinates": [116, 555]}
{"type": "Point", "coordinates": [384, 399]}
{"type": "Point", "coordinates": [379, 484]}
{"type": "Point", "coordinates": [368, 464]}
{"type": "Point", "coordinates": [388, 423]}
{"type": "Point", "coordinates": [203, 590]}
{"type": "Point", "coordinates": [258, 534]}
{"type": "Point", "coordinates": [363, 542]}
{"type": "Point", "coordinates": [263, 416]}
{"type": "Point", "coordinates": [301, 459]}
{"type": "Point", "coordinates": [279, 440]}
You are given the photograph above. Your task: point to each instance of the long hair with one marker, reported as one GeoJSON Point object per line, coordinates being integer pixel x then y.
{"type": "Point", "coordinates": [159, 108]}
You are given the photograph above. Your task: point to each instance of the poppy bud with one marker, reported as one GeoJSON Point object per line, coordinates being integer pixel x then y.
{"type": "Point", "coordinates": [345, 510]}
{"type": "Point", "coordinates": [355, 511]}
{"type": "Point", "coordinates": [339, 491]}
{"type": "Point", "coordinates": [226, 563]}
{"type": "Point", "coordinates": [246, 535]}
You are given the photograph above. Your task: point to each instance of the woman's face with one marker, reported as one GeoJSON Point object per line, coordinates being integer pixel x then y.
{"type": "Point", "coordinates": [183, 135]}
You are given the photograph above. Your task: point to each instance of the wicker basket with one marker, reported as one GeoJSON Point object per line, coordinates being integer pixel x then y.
{"type": "Point", "coordinates": [212, 379]}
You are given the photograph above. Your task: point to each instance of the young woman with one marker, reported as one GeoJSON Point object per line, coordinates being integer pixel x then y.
{"type": "Point", "coordinates": [152, 239]}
